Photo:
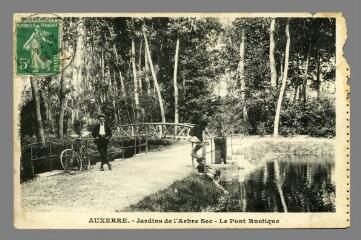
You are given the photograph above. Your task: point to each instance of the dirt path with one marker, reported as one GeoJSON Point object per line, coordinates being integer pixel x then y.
{"type": "Point", "coordinates": [130, 181]}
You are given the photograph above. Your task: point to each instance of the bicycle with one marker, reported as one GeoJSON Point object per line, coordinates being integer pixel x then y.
{"type": "Point", "coordinates": [75, 158]}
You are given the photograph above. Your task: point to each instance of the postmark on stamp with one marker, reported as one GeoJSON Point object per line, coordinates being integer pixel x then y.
{"type": "Point", "coordinates": [37, 48]}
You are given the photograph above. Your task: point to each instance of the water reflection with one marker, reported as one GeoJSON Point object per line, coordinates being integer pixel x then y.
{"type": "Point", "coordinates": [290, 184]}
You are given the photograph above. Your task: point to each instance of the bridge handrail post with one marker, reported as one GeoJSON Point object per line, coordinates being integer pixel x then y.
{"type": "Point", "coordinates": [160, 127]}
{"type": "Point", "coordinates": [123, 151]}
{"type": "Point", "coordinates": [146, 144]}
{"type": "Point", "coordinates": [50, 158]}
{"type": "Point", "coordinates": [204, 154]}
{"type": "Point", "coordinates": [192, 156]}
{"type": "Point", "coordinates": [31, 159]}
{"type": "Point", "coordinates": [211, 150]}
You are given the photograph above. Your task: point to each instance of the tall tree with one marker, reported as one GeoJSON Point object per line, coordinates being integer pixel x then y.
{"type": "Point", "coordinates": [311, 34]}
{"type": "Point", "coordinates": [305, 76]}
{"type": "Point", "coordinates": [284, 80]}
{"type": "Point", "coordinates": [175, 85]}
{"type": "Point", "coordinates": [242, 77]}
{"type": "Point", "coordinates": [135, 79]}
{"type": "Point", "coordinates": [61, 106]}
{"type": "Point", "coordinates": [140, 68]}
{"type": "Point", "coordinates": [146, 72]}
{"type": "Point", "coordinates": [160, 100]}
{"type": "Point", "coordinates": [35, 92]}
{"type": "Point", "coordinates": [71, 39]}
{"type": "Point", "coordinates": [112, 34]}
{"type": "Point", "coordinates": [318, 76]}
{"type": "Point", "coordinates": [272, 54]}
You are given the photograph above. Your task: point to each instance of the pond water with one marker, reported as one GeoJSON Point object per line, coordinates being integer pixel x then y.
{"type": "Point", "coordinates": [289, 183]}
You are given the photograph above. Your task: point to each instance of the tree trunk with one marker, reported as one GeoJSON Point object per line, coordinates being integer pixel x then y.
{"type": "Point", "coordinates": [61, 107]}
{"type": "Point", "coordinates": [140, 68]}
{"type": "Point", "coordinates": [122, 84]}
{"type": "Point", "coordinates": [102, 65]}
{"type": "Point", "coordinates": [284, 80]}
{"type": "Point", "coordinates": [176, 114]}
{"type": "Point", "coordinates": [305, 76]}
{"type": "Point", "coordinates": [117, 62]}
{"type": "Point", "coordinates": [119, 71]}
{"type": "Point", "coordinates": [77, 68]}
{"type": "Point", "coordinates": [318, 76]}
{"type": "Point", "coordinates": [50, 115]}
{"type": "Point", "coordinates": [62, 94]}
{"type": "Point", "coordinates": [279, 79]}
{"type": "Point", "coordinates": [184, 84]}
{"type": "Point", "coordinates": [40, 130]}
{"type": "Point", "coordinates": [272, 55]}
{"type": "Point", "coordinates": [46, 106]}
{"type": "Point", "coordinates": [114, 93]}
{"type": "Point", "coordinates": [146, 71]}
{"type": "Point", "coordinates": [242, 77]}
{"type": "Point", "coordinates": [136, 97]}
{"type": "Point", "coordinates": [154, 78]}
{"type": "Point", "coordinates": [296, 93]}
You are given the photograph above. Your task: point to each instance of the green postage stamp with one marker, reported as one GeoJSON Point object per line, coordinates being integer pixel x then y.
{"type": "Point", "coordinates": [37, 48]}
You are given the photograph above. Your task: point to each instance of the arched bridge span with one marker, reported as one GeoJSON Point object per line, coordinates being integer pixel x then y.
{"type": "Point", "coordinates": [155, 130]}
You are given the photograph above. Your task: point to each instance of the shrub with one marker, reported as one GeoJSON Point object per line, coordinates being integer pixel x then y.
{"type": "Point", "coordinates": [191, 194]}
{"type": "Point", "coordinates": [317, 118]}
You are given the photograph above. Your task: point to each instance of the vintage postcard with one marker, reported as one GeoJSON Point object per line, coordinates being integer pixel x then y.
{"type": "Point", "coordinates": [180, 120]}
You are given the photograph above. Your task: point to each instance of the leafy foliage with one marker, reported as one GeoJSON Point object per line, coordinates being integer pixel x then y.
{"type": "Point", "coordinates": [191, 194]}
{"type": "Point", "coordinates": [317, 119]}
{"type": "Point", "coordinates": [99, 76]}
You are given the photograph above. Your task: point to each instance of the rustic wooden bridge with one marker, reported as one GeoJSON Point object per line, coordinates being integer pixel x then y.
{"type": "Point", "coordinates": [155, 130]}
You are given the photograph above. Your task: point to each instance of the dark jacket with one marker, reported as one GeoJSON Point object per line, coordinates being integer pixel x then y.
{"type": "Point", "coordinates": [197, 131]}
{"type": "Point", "coordinates": [108, 131]}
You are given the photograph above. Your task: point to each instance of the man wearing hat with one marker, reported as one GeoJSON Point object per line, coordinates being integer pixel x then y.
{"type": "Point", "coordinates": [102, 135]}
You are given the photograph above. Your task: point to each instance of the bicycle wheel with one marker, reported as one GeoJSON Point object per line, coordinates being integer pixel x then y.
{"type": "Point", "coordinates": [70, 161]}
{"type": "Point", "coordinates": [84, 155]}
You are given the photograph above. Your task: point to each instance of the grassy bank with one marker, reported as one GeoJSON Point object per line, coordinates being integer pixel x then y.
{"type": "Point", "coordinates": [257, 148]}
{"type": "Point", "coordinates": [192, 194]}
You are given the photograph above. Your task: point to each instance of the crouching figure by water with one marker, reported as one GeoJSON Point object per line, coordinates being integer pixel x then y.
{"type": "Point", "coordinates": [210, 172]}
{"type": "Point", "coordinates": [202, 168]}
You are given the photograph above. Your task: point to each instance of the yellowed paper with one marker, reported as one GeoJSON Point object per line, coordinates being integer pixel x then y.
{"type": "Point", "coordinates": [301, 181]}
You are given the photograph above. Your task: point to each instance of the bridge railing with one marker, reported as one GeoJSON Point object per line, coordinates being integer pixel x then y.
{"type": "Point", "coordinates": [156, 130]}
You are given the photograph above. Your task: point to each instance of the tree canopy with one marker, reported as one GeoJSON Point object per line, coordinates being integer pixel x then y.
{"type": "Point", "coordinates": [146, 69]}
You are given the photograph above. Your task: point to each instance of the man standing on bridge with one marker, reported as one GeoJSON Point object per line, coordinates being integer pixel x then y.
{"type": "Point", "coordinates": [197, 134]}
{"type": "Point", "coordinates": [102, 135]}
